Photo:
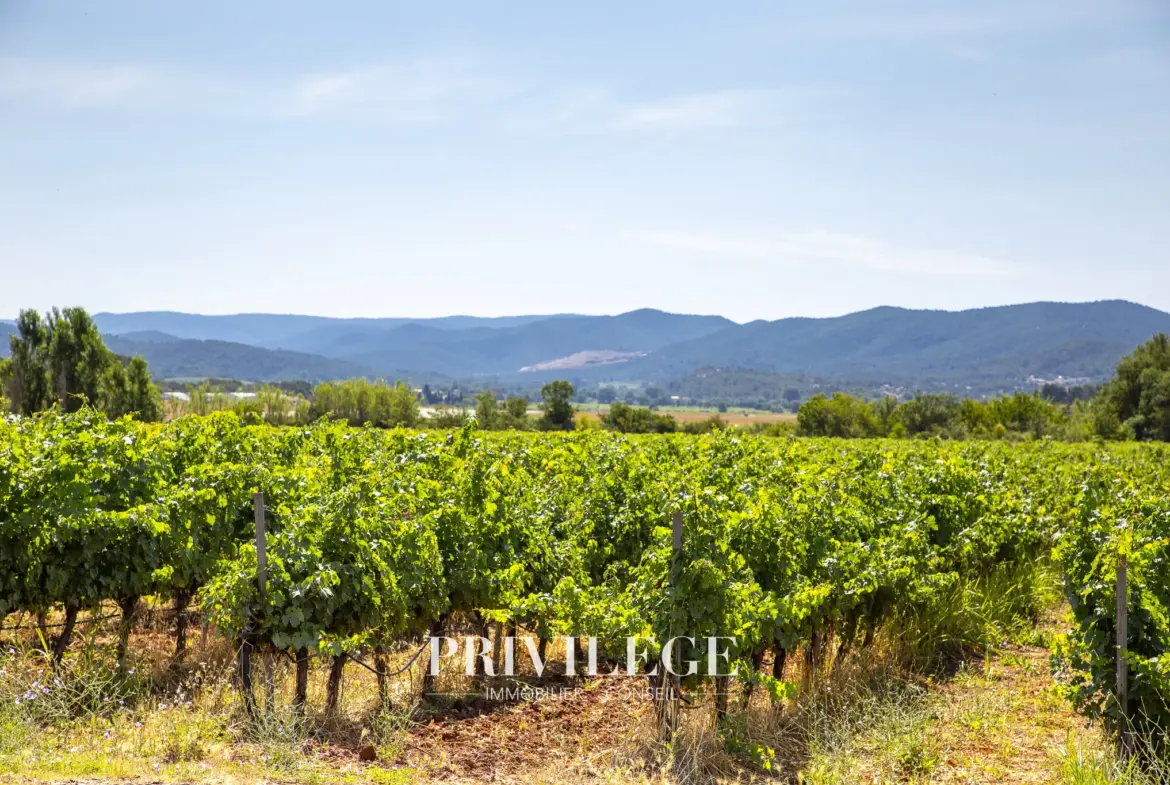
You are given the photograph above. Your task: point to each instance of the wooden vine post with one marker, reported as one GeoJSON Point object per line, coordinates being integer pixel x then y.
{"type": "Point", "coordinates": [262, 578]}
{"type": "Point", "coordinates": [1122, 645]}
{"type": "Point", "coordinates": [670, 696]}
{"type": "Point", "coordinates": [245, 663]}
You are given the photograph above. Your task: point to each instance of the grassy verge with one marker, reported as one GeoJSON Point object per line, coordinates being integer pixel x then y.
{"type": "Point", "coordinates": [172, 723]}
{"type": "Point", "coordinates": [958, 690]}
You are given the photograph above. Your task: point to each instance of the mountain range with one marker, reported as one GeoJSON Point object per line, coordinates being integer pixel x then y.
{"type": "Point", "coordinates": [983, 350]}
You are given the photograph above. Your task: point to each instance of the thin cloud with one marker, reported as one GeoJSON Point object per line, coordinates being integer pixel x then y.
{"type": "Point", "coordinates": [317, 91]}
{"type": "Point", "coordinates": [598, 111]}
{"type": "Point", "coordinates": [423, 90]}
{"type": "Point", "coordinates": [415, 92]}
{"type": "Point", "coordinates": [60, 85]}
{"type": "Point", "coordinates": [852, 250]}
{"type": "Point", "coordinates": [716, 109]}
{"type": "Point", "coordinates": [70, 85]}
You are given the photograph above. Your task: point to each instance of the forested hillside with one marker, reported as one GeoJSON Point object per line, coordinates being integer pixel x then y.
{"type": "Point", "coordinates": [981, 346]}
{"type": "Point", "coordinates": [978, 352]}
{"type": "Point", "coordinates": [197, 359]}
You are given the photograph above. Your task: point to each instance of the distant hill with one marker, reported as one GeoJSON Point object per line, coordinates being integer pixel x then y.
{"type": "Point", "coordinates": [181, 358]}
{"type": "Point", "coordinates": [507, 350]}
{"type": "Point", "coordinates": [978, 351]}
{"type": "Point", "coordinates": [454, 346]}
{"type": "Point", "coordinates": [6, 329]}
{"type": "Point", "coordinates": [466, 345]}
{"type": "Point", "coordinates": [981, 347]}
{"type": "Point", "coordinates": [149, 336]}
{"type": "Point", "coordinates": [309, 334]}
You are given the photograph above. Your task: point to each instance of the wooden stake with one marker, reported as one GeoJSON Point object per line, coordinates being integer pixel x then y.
{"type": "Point", "coordinates": [1122, 645]}
{"type": "Point", "coordinates": [245, 666]}
{"type": "Point", "coordinates": [262, 580]}
{"type": "Point", "coordinates": [669, 683]}
{"type": "Point", "coordinates": [261, 543]}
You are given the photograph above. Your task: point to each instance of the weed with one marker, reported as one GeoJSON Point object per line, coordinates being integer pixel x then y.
{"type": "Point", "coordinates": [388, 728]}
{"type": "Point", "coordinates": [975, 613]}
{"type": "Point", "coordinates": [915, 755]}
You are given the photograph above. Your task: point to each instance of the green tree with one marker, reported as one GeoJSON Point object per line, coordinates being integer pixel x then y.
{"type": "Point", "coordinates": [487, 411]}
{"type": "Point", "coordinates": [977, 417]}
{"type": "Point", "coordinates": [61, 360]}
{"type": "Point", "coordinates": [606, 394]}
{"type": "Point", "coordinates": [1137, 400]}
{"type": "Point", "coordinates": [362, 402]}
{"type": "Point", "coordinates": [632, 419]}
{"type": "Point", "coordinates": [78, 359]}
{"type": "Point", "coordinates": [1055, 393]}
{"type": "Point", "coordinates": [29, 380]}
{"type": "Point", "coordinates": [5, 377]}
{"type": "Point", "coordinates": [129, 390]}
{"type": "Point", "coordinates": [842, 415]}
{"type": "Point", "coordinates": [516, 406]}
{"type": "Point", "coordinates": [279, 407]}
{"type": "Point", "coordinates": [885, 409]}
{"type": "Point", "coordinates": [558, 409]}
{"type": "Point", "coordinates": [515, 413]}
{"type": "Point", "coordinates": [929, 413]}
{"type": "Point", "coordinates": [205, 398]}
{"type": "Point", "coordinates": [1025, 413]}
{"type": "Point", "coordinates": [448, 417]}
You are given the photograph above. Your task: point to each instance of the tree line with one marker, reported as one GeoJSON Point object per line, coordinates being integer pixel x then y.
{"type": "Point", "coordinates": [380, 404]}
{"type": "Point", "coordinates": [1134, 405]}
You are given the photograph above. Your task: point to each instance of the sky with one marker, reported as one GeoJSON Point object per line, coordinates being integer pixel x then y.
{"type": "Point", "coordinates": [757, 160]}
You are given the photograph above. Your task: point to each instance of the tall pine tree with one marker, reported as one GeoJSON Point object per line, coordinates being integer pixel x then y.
{"type": "Point", "coordinates": [61, 360]}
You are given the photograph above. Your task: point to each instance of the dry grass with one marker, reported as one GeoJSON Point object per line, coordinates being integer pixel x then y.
{"type": "Point", "coordinates": [995, 720]}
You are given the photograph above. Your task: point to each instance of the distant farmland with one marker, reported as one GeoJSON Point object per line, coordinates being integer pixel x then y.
{"type": "Point", "coordinates": [733, 416]}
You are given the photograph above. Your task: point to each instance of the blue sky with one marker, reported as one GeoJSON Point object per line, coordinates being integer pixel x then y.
{"type": "Point", "coordinates": [757, 160]}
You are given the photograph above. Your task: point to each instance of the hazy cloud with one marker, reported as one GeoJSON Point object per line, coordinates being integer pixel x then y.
{"type": "Point", "coordinates": [70, 86]}
{"type": "Point", "coordinates": [598, 111]}
{"type": "Point", "coordinates": [428, 90]}
{"type": "Point", "coordinates": [417, 91]}
{"type": "Point", "coordinates": [720, 108]}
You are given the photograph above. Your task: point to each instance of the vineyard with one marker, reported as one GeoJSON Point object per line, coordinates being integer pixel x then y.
{"type": "Point", "coordinates": [802, 549]}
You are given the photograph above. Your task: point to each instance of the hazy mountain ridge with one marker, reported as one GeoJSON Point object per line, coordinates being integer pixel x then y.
{"type": "Point", "coordinates": [192, 358]}
{"type": "Point", "coordinates": [507, 350]}
{"type": "Point", "coordinates": [6, 329]}
{"type": "Point", "coordinates": [466, 346]}
{"type": "Point", "coordinates": [283, 331]}
{"type": "Point", "coordinates": [149, 336]}
{"type": "Point", "coordinates": [1070, 339]}
{"type": "Point", "coordinates": [983, 349]}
